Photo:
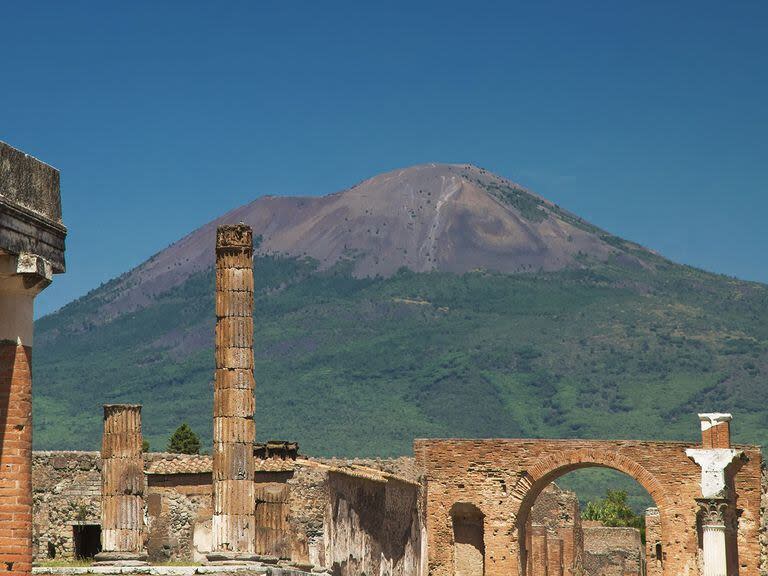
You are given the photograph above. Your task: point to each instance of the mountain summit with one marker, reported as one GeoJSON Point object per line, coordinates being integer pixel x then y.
{"type": "Point", "coordinates": [444, 217]}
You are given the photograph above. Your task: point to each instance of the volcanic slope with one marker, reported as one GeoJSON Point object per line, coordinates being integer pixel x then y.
{"type": "Point", "coordinates": [439, 300]}
{"type": "Point", "coordinates": [444, 217]}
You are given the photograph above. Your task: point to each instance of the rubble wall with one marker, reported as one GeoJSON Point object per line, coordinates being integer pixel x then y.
{"type": "Point", "coordinates": [764, 522]}
{"type": "Point", "coordinates": [613, 551]}
{"type": "Point", "coordinates": [66, 491]}
{"type": "Point", "coordinates": [179, 516]}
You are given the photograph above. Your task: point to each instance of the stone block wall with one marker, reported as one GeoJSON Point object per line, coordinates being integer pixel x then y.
{"type": "Point", "coordinates": [66, 492]}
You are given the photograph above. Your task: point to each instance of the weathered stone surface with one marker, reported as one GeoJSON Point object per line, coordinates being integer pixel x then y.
{"type": "Point", "coordinates": [122, 476]}
{"type": "Point", "coordinates": [30, 207]}
{"type": "Point", "coordinates": [233, 523]}
{"type": "Point", "coordinates": [610, 551]}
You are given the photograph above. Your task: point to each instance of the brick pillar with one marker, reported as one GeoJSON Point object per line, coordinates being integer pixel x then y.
{"type": "Point", "coordinates": [554, 555]}
{"type": "Point", "coordinates": [21, 279]}
{"type": "Point", "coordinates": [31, 250]}
{"type": "Point", "coordinates": [15, 458]}
{"type": "Point", "coordinates": [654, 547]}
{"type": "Point", "coordinates": [122, 487]}
{"type": "Point", "coordinates": [234, 429]}
{"type": "Point", "coordinates": [539, 556]}
{"type": "Point", "coordinates": [715, 430]}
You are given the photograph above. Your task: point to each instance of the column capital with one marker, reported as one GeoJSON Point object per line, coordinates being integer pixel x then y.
{"type": "Point", "coordinates": [712, 511]}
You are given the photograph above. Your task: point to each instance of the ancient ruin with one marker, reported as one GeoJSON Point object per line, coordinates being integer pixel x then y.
{"type": "Point", "coordinates": [698, 491]}
{"type": "Point", "coordinates": [233, 402]}
{"type": "Point", "coordinates": [31, 251]}
{"type": "Point", "coordinates": [122, 494]}
{"type": "Point", "coordinates": [461, 507]}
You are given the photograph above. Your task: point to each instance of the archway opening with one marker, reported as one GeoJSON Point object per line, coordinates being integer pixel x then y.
{"type": "Point", "coordinates": [591, 521]}
{"type": "Point", "coordinates": [468, 540]}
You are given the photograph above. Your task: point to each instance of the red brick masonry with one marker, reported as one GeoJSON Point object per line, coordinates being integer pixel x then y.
{"type": "Point", "coordinates": [502, 478]}
{"type": "Point", "coordinates": [15, 459]}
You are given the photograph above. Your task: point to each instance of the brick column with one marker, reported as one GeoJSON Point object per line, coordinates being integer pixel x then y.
{"type": "Point", "coordinates": [15, 458]}
{"type": "Point", "coordinates": [234, 429]}
{"type": "Point", "coordinates": [654, 548]}
{"type": "Point", "coordinates": [21, 279]}
{"type": "Point", "coordinates": [554, 555]}
{"type": "Point", "coordinates": [122, 487]}
{"type": "Point", "coordinates": [539, 556]}
{"type": "Point", "coordinates": [31, 251]}
{"type": "Point", "coordinates": [715, 430]}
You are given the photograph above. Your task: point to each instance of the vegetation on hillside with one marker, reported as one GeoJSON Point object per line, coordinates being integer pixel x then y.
{"type": "Point", "coordinates": [349, 366]}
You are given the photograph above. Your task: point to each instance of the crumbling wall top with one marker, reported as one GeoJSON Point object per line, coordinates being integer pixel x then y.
{"type": "Point", "coordinates": [30, 208]}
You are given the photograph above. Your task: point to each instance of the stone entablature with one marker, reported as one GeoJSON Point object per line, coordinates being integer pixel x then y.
{"type": "Point", "coordinates": [30, 208]}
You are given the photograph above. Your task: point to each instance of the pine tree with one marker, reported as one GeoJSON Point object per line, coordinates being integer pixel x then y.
{"type": "Point", "coordinates": [184, 441]}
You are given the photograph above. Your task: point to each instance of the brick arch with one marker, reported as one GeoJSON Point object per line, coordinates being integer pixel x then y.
{"type": "Point", "coordinates": [552, 466]}
{"type": "Point", "coordinates": [503, 475]}
{"type": "Point", "coordinates": [548, 468]}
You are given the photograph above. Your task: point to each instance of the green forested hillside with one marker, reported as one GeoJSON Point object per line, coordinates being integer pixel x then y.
{"type": "Point", "coordinates": [353, 366]}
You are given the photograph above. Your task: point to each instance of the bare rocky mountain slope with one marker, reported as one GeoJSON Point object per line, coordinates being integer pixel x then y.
{"type": "Point", "coordinates": [445, 217]}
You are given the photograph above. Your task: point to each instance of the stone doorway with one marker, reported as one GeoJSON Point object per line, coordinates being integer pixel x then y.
{"type": "Point", "coordinates": [86, 539]}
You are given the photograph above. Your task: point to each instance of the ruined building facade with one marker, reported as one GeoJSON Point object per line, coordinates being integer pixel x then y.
{"type": "Point", "coordinates": [460, 507]}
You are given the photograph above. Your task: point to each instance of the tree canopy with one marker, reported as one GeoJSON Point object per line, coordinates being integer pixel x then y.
{"type": "Point", "coordinates": [613, 510]}
{"type": "Point", "coordinates": [184, 441]}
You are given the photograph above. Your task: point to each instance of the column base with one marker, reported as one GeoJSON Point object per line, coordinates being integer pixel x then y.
{"type": "Point", "coordinates": [232, 558]}
{"type": "Point", "coordinates": [120, 559]}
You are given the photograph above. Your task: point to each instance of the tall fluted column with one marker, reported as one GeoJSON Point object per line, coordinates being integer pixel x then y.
{"type": "Point", "coordinates": [234, 429]}
{"type": "Point", "coordinates": [122, 486]}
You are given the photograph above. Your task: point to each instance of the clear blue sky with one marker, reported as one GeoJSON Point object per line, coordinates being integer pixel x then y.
{"type": "Point", "coordinates": [647, 118]}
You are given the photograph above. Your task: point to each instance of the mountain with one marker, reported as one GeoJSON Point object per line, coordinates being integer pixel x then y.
{"type": "Point", "coordinates": [446, 217]}
{"type": "Point", "coordinates": [438, 300]}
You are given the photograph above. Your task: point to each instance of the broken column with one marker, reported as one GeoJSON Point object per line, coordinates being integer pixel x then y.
{"type": "Point", "coordinates": [122, 487]}
{"type": "Point", "coordinates": [716, 457]}
{"type": "Point", "coordinates": [31, 251]}
{"type": "Point", "coordinates": [234, 429]}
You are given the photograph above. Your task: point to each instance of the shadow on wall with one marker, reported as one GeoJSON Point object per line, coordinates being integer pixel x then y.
{"type": "Point", "coordinates": [468, 540]}
{"type": "Point", "coordinates": [372, 527]}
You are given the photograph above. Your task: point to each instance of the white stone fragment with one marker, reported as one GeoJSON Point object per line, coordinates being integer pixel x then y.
{"type": "Point", "coordinates": [713, 462]}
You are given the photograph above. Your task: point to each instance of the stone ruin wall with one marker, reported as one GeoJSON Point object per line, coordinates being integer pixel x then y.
{"type": "Point", "coordinates": [374, 526]}
{"type": "Point", "coordinates": [612, 551]}
{"type": "Point", "coordinates": [66, 490]}
{"type": "Point", "coordinates": [331, 513]}
{"type": "Point", "coordinates": [764, 522]}
{"type": "Point", "coordinates": [179, 515]}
